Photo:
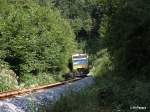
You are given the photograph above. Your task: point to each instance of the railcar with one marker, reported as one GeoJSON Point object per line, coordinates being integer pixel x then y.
{"type": "Point", "coordinates": [78, 66]}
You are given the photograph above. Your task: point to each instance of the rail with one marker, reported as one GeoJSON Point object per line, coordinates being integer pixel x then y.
{"type": "Point", "coordinates": [13, 93]}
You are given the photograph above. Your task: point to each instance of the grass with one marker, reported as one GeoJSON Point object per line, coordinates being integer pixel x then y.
{"type": "Point", "coordinates": [11, 84]}
{"type": "Point", "coordinates": [27, 81]}
{"type": "Point", "coordinates": [74, 102]}
{"type": "Point", "coordinates": [7, 82]}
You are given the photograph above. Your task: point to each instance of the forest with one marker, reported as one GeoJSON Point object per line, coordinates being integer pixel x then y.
{"type": "Point", "coordinates": [37, 38]}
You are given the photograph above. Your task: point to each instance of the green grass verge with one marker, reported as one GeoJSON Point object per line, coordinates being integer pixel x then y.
{"type": "Point", "coordinates": [29, 80]}
{"type": "Point", "coordinates": [8, 83]}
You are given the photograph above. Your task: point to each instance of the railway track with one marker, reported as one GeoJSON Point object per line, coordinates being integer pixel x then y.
{"type": "Point", "coordinates": [14, 93]}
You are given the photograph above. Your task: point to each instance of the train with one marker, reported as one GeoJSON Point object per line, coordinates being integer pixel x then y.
{"type": "Point", "coordinates": [78, 65]}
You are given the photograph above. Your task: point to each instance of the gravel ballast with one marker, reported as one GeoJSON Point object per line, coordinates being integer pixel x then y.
{"type": "Point", "coordinates": [41, 101]}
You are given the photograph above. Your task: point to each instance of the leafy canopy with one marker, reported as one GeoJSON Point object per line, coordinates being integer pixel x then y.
{"type": "Point", "coordinates": [34, 38]}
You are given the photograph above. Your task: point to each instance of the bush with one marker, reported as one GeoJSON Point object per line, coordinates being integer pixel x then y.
{"type": "Point", "coordinates": [8, 79]}
{"type": "Point", "coordinates": [34, 38]}
{"type": "Point", "coordinates": [85, 101]}
{"type": "Point", "coordinates": [121, 94]}
{"type": "Point", "coordinates": [32, 81]}
{"type": "Point", "coordinates": [102, 64]}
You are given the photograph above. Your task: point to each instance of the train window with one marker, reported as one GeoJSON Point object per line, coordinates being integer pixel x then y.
{"type": "Point", "coordinates": [83, 61]}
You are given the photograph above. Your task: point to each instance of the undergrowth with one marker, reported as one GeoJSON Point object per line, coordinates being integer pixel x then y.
{"type": "Point", "coordinates": [29, 80]}
{"type": "Point", "coordinates": [108, 94]}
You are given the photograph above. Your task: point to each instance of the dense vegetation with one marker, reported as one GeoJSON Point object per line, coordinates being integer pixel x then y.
{"type": "Point", "coordinates": [122, 64]}
{"type": "Point", "coordinates": [108, 94]}
{"type": "Point", "coordinates": [37, 39]}
{"type": "Point", "coordinates": [33, 40]}
{"type": "Point", "coordinates": [84, 17]}
{"type": "Point", "coordinates": [127, 38]}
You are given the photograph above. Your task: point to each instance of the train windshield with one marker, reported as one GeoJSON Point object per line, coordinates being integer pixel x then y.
{"type": "Point", "coordinates": [80, 61]}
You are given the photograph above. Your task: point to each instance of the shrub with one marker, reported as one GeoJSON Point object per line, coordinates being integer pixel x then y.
{"type": "Point", "coordinates": [77, 102]}
{"type": "Point", "coordinates": [34, 38]}
{"type": "Point", "coordinates": [32, 81]}
{"type": "Point", "coordinates": [102, 63]}
{"type": "Point", "coordinates": [8, 79]}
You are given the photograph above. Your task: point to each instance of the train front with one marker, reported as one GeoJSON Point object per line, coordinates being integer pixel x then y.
{"type": "Point", "coordinates": [80, 64]}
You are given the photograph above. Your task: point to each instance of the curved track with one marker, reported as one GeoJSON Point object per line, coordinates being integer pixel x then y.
{"type": "Point", "coordinates": [9, 94]}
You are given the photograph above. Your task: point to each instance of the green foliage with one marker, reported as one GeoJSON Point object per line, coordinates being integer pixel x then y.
{"type": "Point", "coordinates": [102, 64]}
{"type": "Point", "coordinates": [75, 102]}
{"type": "Point", "coordinates": [32, 81]}
{"type": "Point", "coordinates": [84, 17]}
{"type": "Point", "coordinates": [124, 31]}
{"type": "Point", "coordinates": [77, 12]}
{"type": "Point", "coordinates": [108, 94]}
{"type": "Point", "coordinates": [128, 39]}
{"type": "Point", "coordinates": [124, 93]}
{"type": "Point", "coordinates": [8, 79]}
{"type": "Point", "coordinates": [34, 38]}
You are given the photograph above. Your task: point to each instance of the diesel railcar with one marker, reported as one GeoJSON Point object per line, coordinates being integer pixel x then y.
{"type": "Point", "coordinates": [78, 65]}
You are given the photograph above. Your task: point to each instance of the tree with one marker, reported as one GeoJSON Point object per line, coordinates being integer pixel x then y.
{"type": "Point", "coordinates": [34, 38]}
{"type": "Point", "coordinates": [128, 37]}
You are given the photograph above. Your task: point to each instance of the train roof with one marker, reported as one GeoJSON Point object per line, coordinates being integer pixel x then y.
{"type": "Point", "coordinates": [79, 54]}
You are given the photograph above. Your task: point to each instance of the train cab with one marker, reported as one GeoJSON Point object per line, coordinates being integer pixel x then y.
{"type": "Point", "coordinates": [80, 64]}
